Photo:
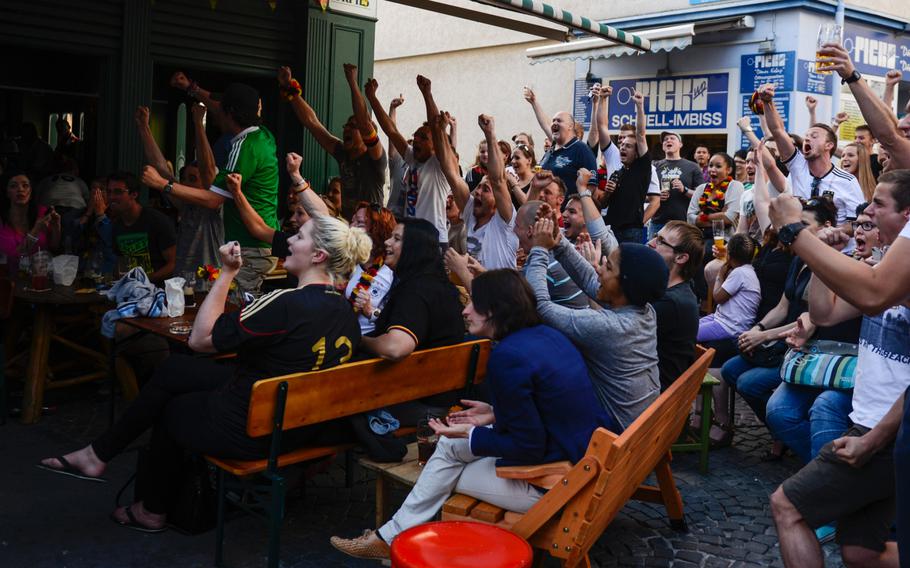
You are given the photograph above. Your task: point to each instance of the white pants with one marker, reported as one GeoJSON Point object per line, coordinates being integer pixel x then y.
{"type": "Point", "coordinates": [454, 467]}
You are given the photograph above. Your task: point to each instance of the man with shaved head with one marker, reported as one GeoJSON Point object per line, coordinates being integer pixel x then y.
{"type": "Point", "coordinates": [567, 154]}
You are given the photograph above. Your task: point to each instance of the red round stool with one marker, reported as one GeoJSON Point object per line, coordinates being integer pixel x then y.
{"type": "Point", "coordinates": [460, 544]}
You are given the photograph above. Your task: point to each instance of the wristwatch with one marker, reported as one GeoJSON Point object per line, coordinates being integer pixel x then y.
{"type": "Point", "coordinates": [584, 193]}
{"type": "Point", "coordinates": [787, 234]}
{"type": "Point", "coordinates": [169, 187]}
{"type": "Point", "coordinates": [851, 78]}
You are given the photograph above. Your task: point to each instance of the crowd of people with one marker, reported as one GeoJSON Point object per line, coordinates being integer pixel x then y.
{"type": "Point", "coordinates": [593, 266]}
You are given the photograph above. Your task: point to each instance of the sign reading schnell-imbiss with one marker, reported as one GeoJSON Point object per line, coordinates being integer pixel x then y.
{"type": "Point", "coordinates": [692, 102]}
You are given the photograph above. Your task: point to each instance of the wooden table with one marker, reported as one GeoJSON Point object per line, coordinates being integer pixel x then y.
{"type": "Point", "coordinates": [46, 305]}
{"type": "Point", "coordinates": [406, 473]}
{"type": "Point", "coordinates": [161, 326]}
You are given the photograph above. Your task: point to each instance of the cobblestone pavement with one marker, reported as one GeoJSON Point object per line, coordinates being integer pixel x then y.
{"type": "Point", "coordinates": [51, 521]}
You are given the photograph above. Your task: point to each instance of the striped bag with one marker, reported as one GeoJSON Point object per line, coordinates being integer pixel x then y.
{"type": "Point", "coordinates": [821, 364]}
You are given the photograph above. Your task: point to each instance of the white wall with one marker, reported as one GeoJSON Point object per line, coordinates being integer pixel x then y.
{"type": "Point", "coordinates": [471, 82]}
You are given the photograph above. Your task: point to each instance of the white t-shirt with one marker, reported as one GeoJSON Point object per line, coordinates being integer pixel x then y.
{"type": "Point", "coordinates": [883, 367]}
{"type": "Point", "coordinates": [396, 184]}
{"type": "Point", "coordinates": [732, 201]}
{"type": "Point", "coordinates": [380, 286]}
{"type": "Point", "coordinates": [426, 190]}
{"type": "Point", "coordinates": [847, 192]}
{"type": "Point", "coordinates": [495, 244]}
{"type": "Point", "coordinates": [905, 232]}
{"type": "Point", "coordinates": [737, 314]}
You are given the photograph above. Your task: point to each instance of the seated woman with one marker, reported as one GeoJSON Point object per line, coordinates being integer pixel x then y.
{"type": "Point", "coordinates": [737, 293]}
{"type": "Point", "coordinates": [422, 309]}
{"type": "Point", "coordinates": [543, 410]}
{"type": "Point", "coordinates": [618, 342]}
{"type": "Point", "coordinates": [201, 405]}
{"type": "Point", "coordinates": [24, 226]}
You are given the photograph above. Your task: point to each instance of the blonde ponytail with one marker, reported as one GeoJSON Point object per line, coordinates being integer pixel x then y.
{"type": "Point", "coordinates": [345, 246]}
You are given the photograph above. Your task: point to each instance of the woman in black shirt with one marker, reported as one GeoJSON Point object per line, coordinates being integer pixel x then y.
{"type": "Point", "coordinates": [201, 405]}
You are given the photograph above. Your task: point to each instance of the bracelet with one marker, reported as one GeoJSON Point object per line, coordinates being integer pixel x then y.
{"type": "Point", "coordinates": [291, 91]}
{"type": "Point", "coordinates": [584, 193]}
{"type": "Point", "coordinates": [303, 182]}
{"type": "Point", "coordinates": [370, 142]}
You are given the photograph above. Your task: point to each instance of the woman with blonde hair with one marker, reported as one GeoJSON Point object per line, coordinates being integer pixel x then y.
{"type": "Point", "coordinates": [201, 405]}
{"type": "Point", "coordinates": [855, 160]}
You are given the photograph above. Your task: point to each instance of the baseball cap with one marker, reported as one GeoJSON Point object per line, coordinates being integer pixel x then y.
{"type": "Point", "coordinates": [666, 133]}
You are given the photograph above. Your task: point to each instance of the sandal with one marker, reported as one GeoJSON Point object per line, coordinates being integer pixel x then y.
{"type": "Point", "coordinates": [69, 469]}
{"type": "Point", "coordinates": [775, 456]}
{"type": "Point", "coordinates": [132, 523]}
{"type": "Point", "coordinates": [726, 439]}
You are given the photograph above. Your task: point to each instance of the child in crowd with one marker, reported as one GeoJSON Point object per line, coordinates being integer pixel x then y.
{"type": "Point", "coordinates": [737, 293]}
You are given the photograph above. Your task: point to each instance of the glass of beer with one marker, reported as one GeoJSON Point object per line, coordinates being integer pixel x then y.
{"type": "Point", "coordinates": [720, 243]}
{"type": "Point", "coordinates": [426, 441]}
{"type": "Point", "coordinates": [827, 33]}
{"type": "Point", "coordinates": [189, 289]}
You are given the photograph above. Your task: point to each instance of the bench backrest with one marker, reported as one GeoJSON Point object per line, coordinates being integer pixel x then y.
{"type": "Point", "coordinates": [626, 461]}
{"type": "Point", "coordinates": [320, 396]}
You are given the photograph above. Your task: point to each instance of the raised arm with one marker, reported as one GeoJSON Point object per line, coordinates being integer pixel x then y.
{"type": "Point", "coordinates": [312, 202]}
{"type": "Point", "coordinates": [208, 199]}
{"type": "Point", "coordinates": [811, 105]}
{"type": "Point", "coordinates": [601, 117]}
{"type": "Point", "coordinates": [593, 219]}
{"type": "Point", "coordinates": [453, 129]}
{"type": "Point", "coordinates": [393, 113]}
{"type": "Point", "coordinates": [542, 119]}
{"type": "Point", "coordinates": [212, 307]}
{"type": "Point", "coordinates": [772, 173]}
{"type": "Point", "coordinates": [204, 156]}
{"type": "Point", "coordinates": [641, 120]}
{"type": "Point", "coordinates": [870, 289]}
{"type": "Point", "coordinates": [305, 113]}
{"type": "Point", "coordinates": [892, 79]}
{"type": "Point", "coordinates": [761, 199]}
{"type": "Point", "coordinates": [426, 89]}
{"type": "Point", "coordinates": [361, 115]}
{"type": "Point", "coordinates": [388, 125]}
{"type": "Point", "coordinates": [877, 115]}
{"type": "Point", "coordinates": [448, 162]}
{"type": "Point", "coordinates": [150, 149]}
{"type": "Point", "coordinates": [495, 169]}
{"type": "Point", "coordinates": [179, 80]}
{"type": "Point", "coordinates": [593, 140]}
{"type": "Point", "coordinates": [775, 123]}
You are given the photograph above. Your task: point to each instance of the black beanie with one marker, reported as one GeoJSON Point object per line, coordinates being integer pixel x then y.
{"type": "Point", "coordinates": [643, 273]}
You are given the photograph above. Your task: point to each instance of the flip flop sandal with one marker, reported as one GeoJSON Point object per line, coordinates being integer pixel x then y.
{"type": "Point", "coordinates": [70, 470]}
{"type": "Point", "coordinates": [132, 523]}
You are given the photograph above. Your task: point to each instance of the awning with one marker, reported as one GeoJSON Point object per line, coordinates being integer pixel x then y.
{"type": "Point", "coordinates": [661, 39]}
{"type": "Point", "coordinates": [564, 20]}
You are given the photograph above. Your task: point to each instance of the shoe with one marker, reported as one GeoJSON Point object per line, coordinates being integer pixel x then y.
{"type": "Point", "coordinates": [367, 546]}
{"type": "Point", "coordinates": [133, 524]}
{"type": "Point", "coordinates": [725, 440]}
{"type": "Point", "coordinates": [69, 469]}
{"type": "Point", "coordinates": [826, 533]}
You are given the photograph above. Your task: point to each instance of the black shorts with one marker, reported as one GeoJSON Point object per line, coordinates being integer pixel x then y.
{"type": "Point", "coordinates": [861, 499]}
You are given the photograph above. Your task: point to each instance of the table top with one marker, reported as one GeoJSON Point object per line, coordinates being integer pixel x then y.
{"type": "Point", "coordinates": [161, 326]}
{"type": "Point", "coordinates": [407, 471]}
{"type": "Point", "coordinates": [58, 295]}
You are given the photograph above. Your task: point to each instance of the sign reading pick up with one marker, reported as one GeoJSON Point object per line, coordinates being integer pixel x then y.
{"type": "Point", "coordinates": [756, 69]}
{"type": "Point", "coordinates": [692, 102]}
{"type": "Point", "coordinates": [808, 81]}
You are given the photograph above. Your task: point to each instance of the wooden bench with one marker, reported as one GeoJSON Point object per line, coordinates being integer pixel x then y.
{"type": "Point", "coordinates": [583, 499]}
{"type": "Point", "coordinates": [306, 399]}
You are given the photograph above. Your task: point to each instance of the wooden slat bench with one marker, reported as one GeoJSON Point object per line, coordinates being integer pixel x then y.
{"type": "Point", "coordinates": [304, 399]}
{"type": "Point", "coordinates": [583, 499]}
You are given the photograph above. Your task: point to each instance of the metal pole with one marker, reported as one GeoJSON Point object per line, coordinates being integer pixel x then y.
{"type": "Point", "coordinates": [560, 16]}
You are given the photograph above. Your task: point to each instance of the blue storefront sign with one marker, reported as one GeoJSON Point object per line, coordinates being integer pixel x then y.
{"type": "Point", "coordinates": [808, 81]}
{"type": "Point", "coordinates": [876, 52]}
{"type": "Point", "coordinates": [759, 68]}
{"type": "Point", "coordinates": [781, 103]}
{"type": "Point", "coordinates": [581, 109]}
{"type": "Point", "coordinates": [680, 103]}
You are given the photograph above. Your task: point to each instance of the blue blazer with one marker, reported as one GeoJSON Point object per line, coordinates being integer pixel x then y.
{"type": "Point", "coordinates": [545, 406]}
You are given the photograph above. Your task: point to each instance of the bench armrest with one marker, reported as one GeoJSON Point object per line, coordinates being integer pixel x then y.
{"type": "Point", "coordinates": [543, 475]}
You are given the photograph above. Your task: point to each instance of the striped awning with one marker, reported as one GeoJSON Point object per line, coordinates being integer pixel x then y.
{"type": "Point", "coordinates": [581, 23]}
{"type": "Point", "coordinates": [661, 39]}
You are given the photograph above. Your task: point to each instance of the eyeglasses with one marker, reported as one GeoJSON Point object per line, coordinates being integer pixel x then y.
{"type": "Point", "coordinates": [865, 225]}
{"type": "Point", "coordinates": [674, 248]}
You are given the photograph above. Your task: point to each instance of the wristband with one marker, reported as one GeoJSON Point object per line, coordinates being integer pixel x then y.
{"type": "Point", "coordinates": [291, 91]}
{"type": "Point", "coordinates": [370, 142]}
{"type": "Point", "coordinates": [303, 182]}
{"type": "Point", "coordinates": [584, 193]}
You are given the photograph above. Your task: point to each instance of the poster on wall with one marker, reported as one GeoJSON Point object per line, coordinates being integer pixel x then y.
{"type": "Point", "coordinates": [847, 130]}
{"type": "Point", "coordinates": [756, 69]}
{"type": "Point", "coordinates": [876, 52]}
{"type": "Point", "coordinates": [581, 108]}
{"type": "Point", "coordinates": [781, 103]}
{"type": "Point", "coordinates": [361, 8]}
{"type": "Point", "coordinates": [808, 81]}
{"type": "Point", "coordinates": [691, 102]}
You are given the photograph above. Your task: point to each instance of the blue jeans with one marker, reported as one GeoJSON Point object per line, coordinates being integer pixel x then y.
{"type": "Point", "coordinates": [754, 384]}
{"type": "Point", "coordinates": [654, 228]}
{"type": "Point", "coordinates": [806, 418]}
{"type": "Point", "coordinates": [632, 235]}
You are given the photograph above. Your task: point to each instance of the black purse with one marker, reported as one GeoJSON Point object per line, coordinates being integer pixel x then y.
{"type": "Point", "coordinates": [770, 354]}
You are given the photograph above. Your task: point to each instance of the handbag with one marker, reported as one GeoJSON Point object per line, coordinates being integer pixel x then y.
{"type": "Point", "coordinates": [192, 504]}
{"type": "Point", "coordinates": [822, 364]}
{"type": "Point", "coordinates": [768, 354]}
